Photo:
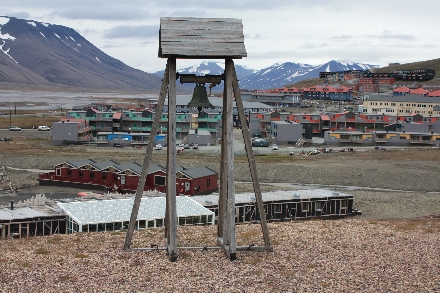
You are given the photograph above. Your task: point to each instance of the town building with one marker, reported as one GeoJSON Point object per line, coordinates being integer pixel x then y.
{"type": "Point", "coordinates": [71, 131]}
{"type": "Point", "coordinates": [381, 138]}
{"type": "Point", "coordinates": [124, 178]}
{"type": "Point", "coordinates": [401, 105]}
{"type": "Point", "coordinates": [40, 216]}
{"type": "Point", "coordinates": [282, 97]}
{"type": "Point", "coordinates": [114, 214]}
{"type": "Point", "coordinates": [287, 205]}
{"type": "Point", "coordinates": [340, 93]}
{"type": "Point", "coordinates": [31, 218]}
{"type": "Point", "coordinates": [141, 122]}
{"type": "Point", "coordinates": [285, 132]}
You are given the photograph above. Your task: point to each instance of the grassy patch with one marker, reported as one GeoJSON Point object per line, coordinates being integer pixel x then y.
{"type": "Point", "coordinates": [427, 225]}
{"type": "Point", "coordinates": [81, 255]}
{"type": "Point", "coordinates": [184, 254]}
{"type": "Point", "coordinates": [55, 240]}
{"type": "Point", "coordinates": [26, 264]}
{"type": "Point", "coordinates": [249, 235]}
{"type": "Point", "coordinates": [253, 260]}
{"type": "Point", "coordinates": [42, 251]}
{"type": "Point", "coordinates": [64, 278]}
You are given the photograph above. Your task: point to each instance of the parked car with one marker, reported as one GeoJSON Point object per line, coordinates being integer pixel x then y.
{"type": "Point", "coordinates": [274, 147]}
{"type": "Point", "coordinates": [380, 148]}
{"type": "Point", "coordinates": [118, 145]}
{"type": "Point", "coordinates": [43, 128]}
{"type": "Point", "coordinates": [14, 128]}
{"type": "Point", "coordinates": [195, 146]}
{"type": "Point", "coordinates": [158, 147]}
{"type": "Point", "coordinates": [186, 146]}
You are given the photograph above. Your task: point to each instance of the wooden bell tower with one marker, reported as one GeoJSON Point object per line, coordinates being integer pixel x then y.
{"type": "Point", "coordinates": [202, 38]}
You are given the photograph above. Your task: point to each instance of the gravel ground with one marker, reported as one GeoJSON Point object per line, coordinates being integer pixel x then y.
{"type": "Point", "coordinates": [390, 248]}
{"type": "Point", "coordinates": [350, 255]}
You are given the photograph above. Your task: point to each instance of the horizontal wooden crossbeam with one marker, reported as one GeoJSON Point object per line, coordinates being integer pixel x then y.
{"type": "Point", "coordinates": [192, 78]}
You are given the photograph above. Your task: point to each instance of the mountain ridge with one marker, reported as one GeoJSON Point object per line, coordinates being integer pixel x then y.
{"type": "Point", "coordinates": [38, 53]}
{"type": "Point", "coordinates": [48, 55]}
{"type": "Point", "coordinates": [275, 76]}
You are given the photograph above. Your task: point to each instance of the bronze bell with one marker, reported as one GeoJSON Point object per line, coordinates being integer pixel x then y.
{"type": "Point", "coordinates": [200, 98]}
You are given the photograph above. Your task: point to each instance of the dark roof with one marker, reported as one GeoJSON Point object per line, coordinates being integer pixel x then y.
{"type": "Point", "coordinates": [205, 38]}
{"type": "Point", "coordinates": [135, 167]}
{"type": "Point", "coordinates": [198, 172]}
{"type": "Point", "coordinates": [104, 165]}
{"type": "Point", "coordinates": [155, 168]}
{"type": "Point", "coordinates": [81, 163]}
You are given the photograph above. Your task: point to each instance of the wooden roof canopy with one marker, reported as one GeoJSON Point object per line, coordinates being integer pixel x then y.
{"type": "Point", "coordinates": [201, 38]}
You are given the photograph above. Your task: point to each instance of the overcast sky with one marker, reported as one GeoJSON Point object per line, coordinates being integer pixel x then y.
{"type": "Point", "coordinates": [312, 32]}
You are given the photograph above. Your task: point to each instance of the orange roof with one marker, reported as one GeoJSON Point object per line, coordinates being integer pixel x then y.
{"type": "Point", "coordinates": [325, 117]}
{"type": "Point", "coordinates": [434, 94]}
{"type": "Point", "coordinates": [117, 115]}
{"type": "Point", "coordinates": [402, 89]}
{"type": "Point", "coordinates": [419, 91]}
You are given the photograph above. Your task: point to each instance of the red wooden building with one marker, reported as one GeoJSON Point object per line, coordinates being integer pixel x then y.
{"type": "Point", "coordinates": [124, 178]}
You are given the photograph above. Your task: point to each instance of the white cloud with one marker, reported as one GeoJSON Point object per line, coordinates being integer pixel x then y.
{"type": "Point", "coordinates": [278, 31]}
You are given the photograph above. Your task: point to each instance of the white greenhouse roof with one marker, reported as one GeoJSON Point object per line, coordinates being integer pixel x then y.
{"type": "Point", "coordinates": [119, 210]}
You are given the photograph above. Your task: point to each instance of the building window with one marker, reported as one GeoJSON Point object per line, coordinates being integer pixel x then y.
{"type": "Point", "coordinates": [92, 175]}
{"type": "Point", "coordinates": [58, 172]}
{"type": "Point", "coordinates": [104, 176]}
{"type": "Point", "coordinates": [208, 182]}
{"type": "Point", "coordinates": [159, 180]}
{"type": "Point", "coordinates": [81, 174]}
{"type": "Point", "coordinates": [69, 172]}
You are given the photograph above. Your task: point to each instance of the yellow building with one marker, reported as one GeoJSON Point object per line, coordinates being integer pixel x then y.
{"type": "Point", "coordinates": [402, 105]}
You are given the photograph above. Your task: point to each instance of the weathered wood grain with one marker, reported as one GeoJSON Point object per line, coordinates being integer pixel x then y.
{"type": "Point", "coordinates": [219, 38]}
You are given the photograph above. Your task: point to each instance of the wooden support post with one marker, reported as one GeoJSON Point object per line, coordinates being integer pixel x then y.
{"type": "Point", "coordinates": [223, 177]}
{"type": "Point", "coordinates": [171, 163]}
{"type": "Point", "coordinates": [229, 239]}
{"type": "Point", "coordinates": [147, 159]}
{"type": "Point", "coordinates": [250, 156]}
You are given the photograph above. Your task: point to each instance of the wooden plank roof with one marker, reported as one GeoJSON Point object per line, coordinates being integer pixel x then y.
{"type": "Point", "coordinates": [201, 38]}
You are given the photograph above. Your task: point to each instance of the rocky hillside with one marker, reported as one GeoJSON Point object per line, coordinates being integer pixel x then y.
{"type": "Point", "coordinates": [35, 53]}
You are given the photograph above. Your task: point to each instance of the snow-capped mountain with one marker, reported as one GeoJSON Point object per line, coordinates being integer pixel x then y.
{"type": "Point", "coordinates": [213, 68]}
{"type": "Point", "coordinates": [275, 76]}
{"type": "Point", "coordinates": [42, 54]}
{"type": "Point", "coordinates": [35, 53]}
{"type": "Point", "coordinates": [279, 75]}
